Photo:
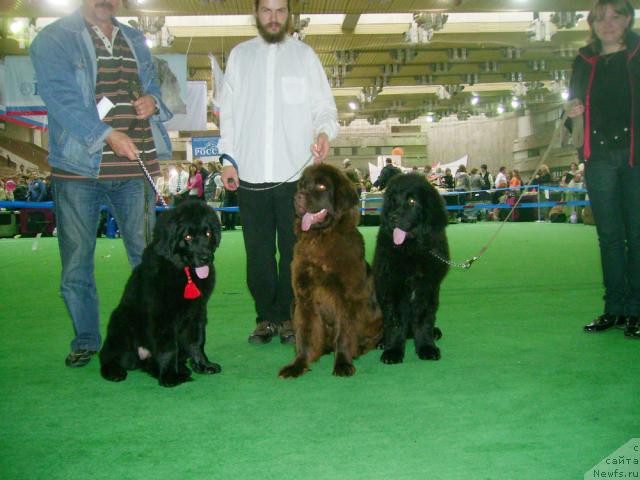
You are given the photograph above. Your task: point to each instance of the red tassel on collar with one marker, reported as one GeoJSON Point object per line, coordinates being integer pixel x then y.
{"type": "Point", "coordinates": [190, 290]}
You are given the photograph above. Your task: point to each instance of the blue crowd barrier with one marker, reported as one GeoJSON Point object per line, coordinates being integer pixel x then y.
{"type": "Point", "coordinates": [16, 205]}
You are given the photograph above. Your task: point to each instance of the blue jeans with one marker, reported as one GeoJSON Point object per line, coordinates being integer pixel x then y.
{"type": "Point", "coordinates": [614, 191]}
{"type": "Point", "coordinates": [77, 207]}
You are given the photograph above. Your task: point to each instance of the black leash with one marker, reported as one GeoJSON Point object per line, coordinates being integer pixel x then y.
{"type": "Point", "coordinates": [231, 160]}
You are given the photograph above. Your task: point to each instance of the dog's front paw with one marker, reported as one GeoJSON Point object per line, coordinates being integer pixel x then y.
{"type": "Point", "coordinates": [391, 357]}
{"type": "Point", "coordinates": [113, 372]}
{"type": "Point", "coordinates": [172, 379]}
{"type": "Point", "coordinates": [344, 370]}
{"type": "Point", "coordinates": [293, 370]}
{"type": "Point", "coordinates": [428, 352]}
{"type": "Point", "coordinates": [206, 367]}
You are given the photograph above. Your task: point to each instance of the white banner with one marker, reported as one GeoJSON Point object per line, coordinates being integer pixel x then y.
{"type": "Point", "coordinates": [196, 116]}
{"type": "Point", "coordinates": [21, 88]}
{"type": "Point", "coordinates": [452, 165]}
{"type": "Point", "coordinates": [172, 76]}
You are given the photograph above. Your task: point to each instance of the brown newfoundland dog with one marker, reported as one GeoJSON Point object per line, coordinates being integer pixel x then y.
{"type": "Point", "coordinates": [335, 308]}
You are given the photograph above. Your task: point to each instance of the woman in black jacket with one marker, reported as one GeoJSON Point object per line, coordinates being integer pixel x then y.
{"type": "Point", "coordinates": [606, 81]}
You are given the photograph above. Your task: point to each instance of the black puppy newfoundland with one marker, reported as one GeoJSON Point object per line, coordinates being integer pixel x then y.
{"type": "Point", "coordinates": [406, 271]}
{"type": "Point", "coordinates": [160, 321]}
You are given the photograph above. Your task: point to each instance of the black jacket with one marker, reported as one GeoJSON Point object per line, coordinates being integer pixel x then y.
{"type": "Point", "coordinates": [387, 173]}
{"type": "Point", "coordinates": [584, 69]}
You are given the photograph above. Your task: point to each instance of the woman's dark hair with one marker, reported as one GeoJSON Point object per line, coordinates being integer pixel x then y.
{"type": "Point", "coordinates": [622, 7]}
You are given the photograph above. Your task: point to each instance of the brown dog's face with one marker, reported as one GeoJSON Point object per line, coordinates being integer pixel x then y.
{"type": "Point", "coordinates": [324, 196]}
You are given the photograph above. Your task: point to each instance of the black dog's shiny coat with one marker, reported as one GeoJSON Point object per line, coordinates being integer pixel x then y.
{"type": "Point", "coordinates": [154, 327]}
{"type": "Point", "coordinates": [407, 276]}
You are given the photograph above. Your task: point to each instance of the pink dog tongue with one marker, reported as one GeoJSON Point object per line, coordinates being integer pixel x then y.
{"type": "Point", "coordinates": [309, 219]}
{"type": "Point", "coordinates": [202, 272]}
{"type": "Point", "coordinates": [399, 236]}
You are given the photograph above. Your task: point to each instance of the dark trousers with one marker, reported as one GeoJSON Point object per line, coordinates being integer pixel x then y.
{"type": "Point", "coordinates": [229, 218]}
{"type": "Point", "coordinates": [267, 223]}
{"type": "Point", "coordinates": [614, 191]}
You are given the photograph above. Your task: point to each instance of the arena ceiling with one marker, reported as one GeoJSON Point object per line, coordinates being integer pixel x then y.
{"type": "Point", "coordinates": [380, 65]}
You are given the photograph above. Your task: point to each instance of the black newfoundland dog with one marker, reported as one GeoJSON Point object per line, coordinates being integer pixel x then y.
{"type": "Point", "coordinates": [406, 271]}
{"type": "Point", "coordinates": [160, 321]}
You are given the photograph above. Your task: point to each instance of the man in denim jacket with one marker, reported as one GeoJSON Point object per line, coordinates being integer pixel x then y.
{"type": "Point", "coordinates": [92, 155]}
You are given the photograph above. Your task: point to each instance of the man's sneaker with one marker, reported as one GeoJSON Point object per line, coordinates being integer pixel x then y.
{"type": "Point", "coordinates": [263, 333]}
{"type": "Point", "coordinates": [287, 335]}
{"type": "Point", "coordinates": [79, 358]}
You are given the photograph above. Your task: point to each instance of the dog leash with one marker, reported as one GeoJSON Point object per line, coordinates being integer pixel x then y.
{"type": "Point", "coordinates": [135, 94]}
{"type": "Point", "coordinates": [467, 265]}
{"type": "Point", "coordinates": [231, 160]}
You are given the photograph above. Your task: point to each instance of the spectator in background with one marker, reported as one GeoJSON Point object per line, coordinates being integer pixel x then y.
{"type": "Point", "coordinates": [37, 189]}
{"type": "Point", "coordinates": [10, 187]}
{"type": "Point", "coordinates": [447, 181]}
{"type": "Point", "coordinates": [177, 183]}
{"type": "Point", "coordinates": [475, 180]}
{"type": "Point", "coordinates": [353, 174]}
{"type": "Point", "coordinates": [163, 186]}
{"type": "Point", "coordinates": [21, 192]}
{"type": "Point", "coordinates": [211, 192]}
{"type": "Point", "coordinates": [194, 189]}
{"type": "Point", "coordinates": [542, 176]}
{"type": "Point", "coordinates": [487, 178]}
{"type": "Point", "coordinates": [386, 174]}
{"type": "Point", "coordinates": [229, 218]}
{"type": "Point", "coordinates": [515, 180]}
{"type": "Point", "coordinates": [213, 189]}
{"type": "Point", "coordinates": [501, 181]}
{"type": "Point", "coordinates": [462, 184]}
{"type": "Point", "coordinates": [204, 173]}
{"type": "Point", "coordinates": [3, 191]}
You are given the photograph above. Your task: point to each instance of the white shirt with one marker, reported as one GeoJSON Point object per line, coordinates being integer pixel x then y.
{"type": "Point", "coordinates": [501, 180]}
{"type": "Point", "coordinates": [163, 186]}
{"type": "Point", "coordinates": [178, 182]}
{"type": "Point", "coordinates": [275, 101]}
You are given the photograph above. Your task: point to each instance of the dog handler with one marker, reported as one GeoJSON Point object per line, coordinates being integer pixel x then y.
{"type": "Point", "coordinates": [97, 79]}
{"type": "Point", "coordinates": [605, 81]}
{"type": "Point", "coordinates": [277, 109]}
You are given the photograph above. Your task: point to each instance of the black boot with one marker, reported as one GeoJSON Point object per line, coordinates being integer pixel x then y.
{"type": "Point", "coordinates": [604, 322]}
{"type": "Point", "coordinates": [632, 329]}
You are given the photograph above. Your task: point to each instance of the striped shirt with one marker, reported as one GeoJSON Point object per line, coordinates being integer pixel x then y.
{"type": "Point", "coordinates": [118, 80]}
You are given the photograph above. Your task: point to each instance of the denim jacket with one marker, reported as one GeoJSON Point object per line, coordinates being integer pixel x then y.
{"type": "Point", "coordinates": [65, 62]}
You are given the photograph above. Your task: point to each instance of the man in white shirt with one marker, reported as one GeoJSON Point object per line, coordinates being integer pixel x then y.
{"type": "Point", "coordinates": [277, 112]}
{"type": "Point", "coordinates": [501, 181]}
{"type": "Point", "coordinates": [177, 182]}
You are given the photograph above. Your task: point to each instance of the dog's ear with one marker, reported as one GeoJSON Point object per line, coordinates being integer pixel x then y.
{"type": "Point", "coordinates": [164, 234]}
{"type": "Point", "coordinates": [435, 210]}
{"type": "Point", "coordinates": [345, 195]}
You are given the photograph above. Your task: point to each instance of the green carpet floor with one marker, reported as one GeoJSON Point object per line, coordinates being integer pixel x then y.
{"type": "Point", "coordinates": [520, 392]}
